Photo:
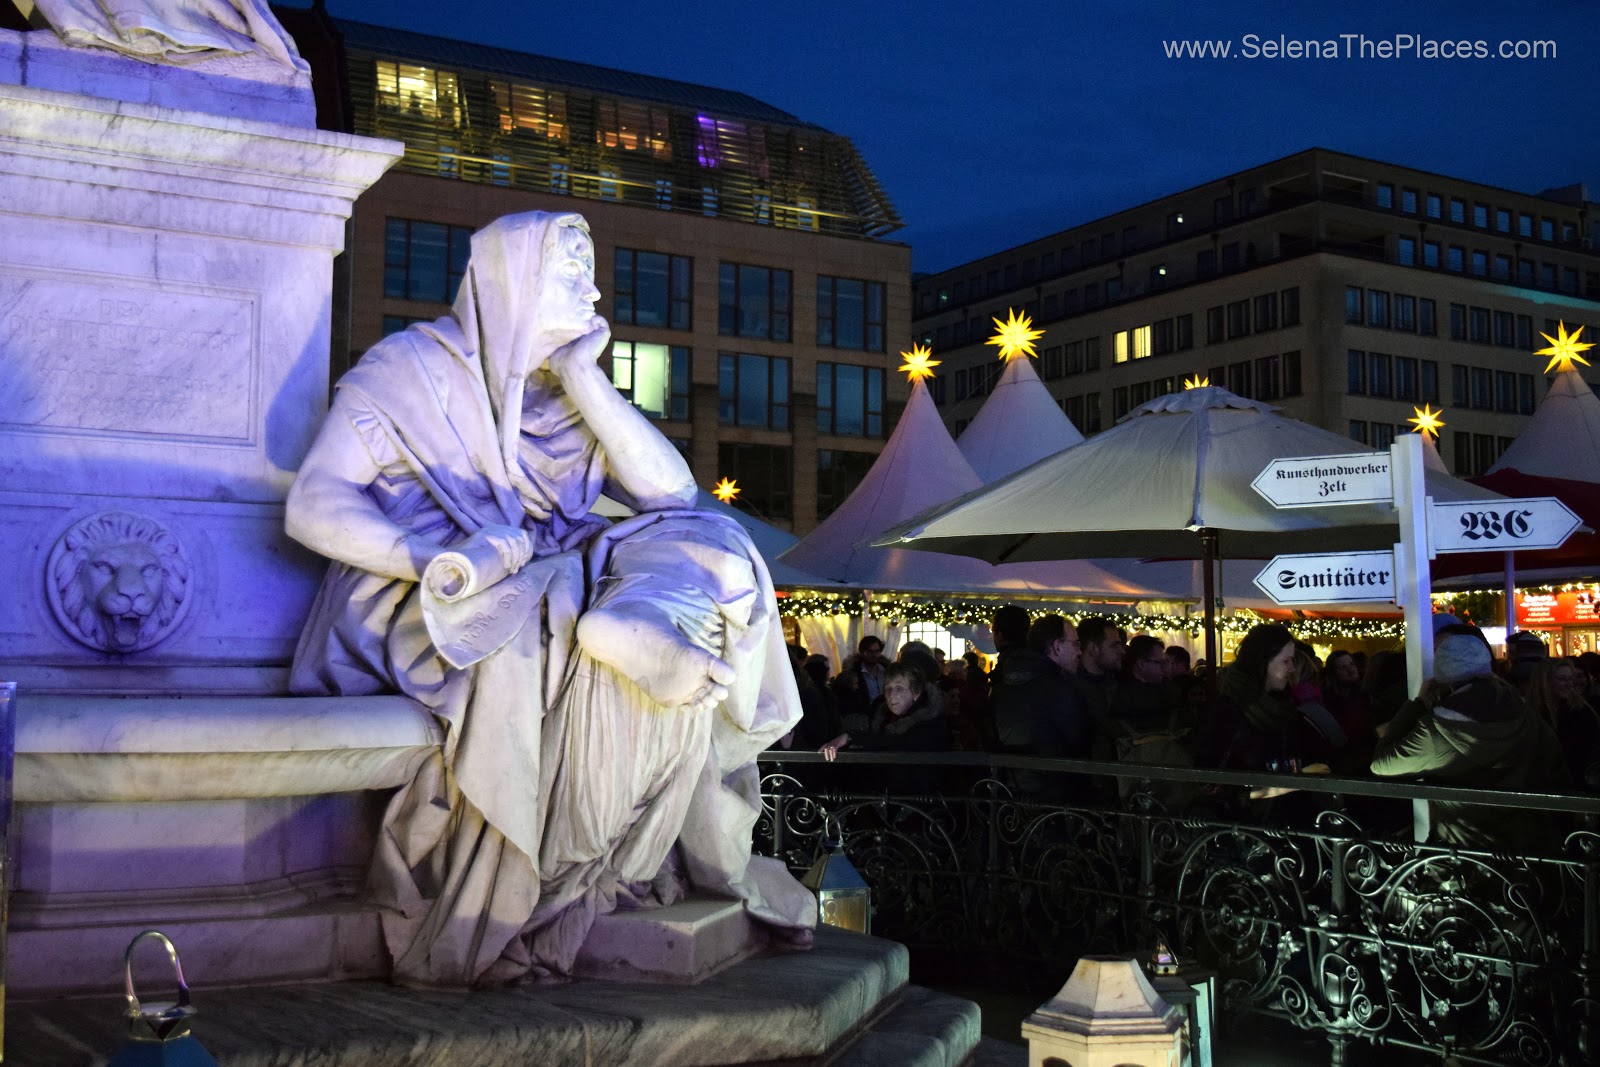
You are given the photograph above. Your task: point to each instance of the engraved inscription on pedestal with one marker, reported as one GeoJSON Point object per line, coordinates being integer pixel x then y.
{"type": "Point", "coordinates": [118, 582]}
{"type": "Point", "coordinates": [100, 355]}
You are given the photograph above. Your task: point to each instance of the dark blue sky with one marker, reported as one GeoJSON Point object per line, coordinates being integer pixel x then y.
{"type": "Point", "coordinates": [989, 124]}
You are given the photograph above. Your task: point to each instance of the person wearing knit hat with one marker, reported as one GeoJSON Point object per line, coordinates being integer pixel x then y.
{"type": "Point", "coordinates": [1468, 727]}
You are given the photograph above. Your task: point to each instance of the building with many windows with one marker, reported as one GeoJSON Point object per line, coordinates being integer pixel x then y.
{"type": "Point", "coordinates": [1346, 290]}
{"type": "Point", "coordinates": [754, 302]}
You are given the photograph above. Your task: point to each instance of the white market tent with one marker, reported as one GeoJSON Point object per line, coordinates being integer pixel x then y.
{"type": "Point", "coordinates": [1557, 454]}
{"type": "Point", "coordinates": [1017, 426]}
{"type": "Point", "coordinates": [921, 467]}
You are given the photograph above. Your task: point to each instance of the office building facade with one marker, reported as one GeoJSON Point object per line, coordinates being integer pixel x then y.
{"type": "Point", "coordinates": [755, 304]}
{"type": "Point", "coordinates": [1345, 290]}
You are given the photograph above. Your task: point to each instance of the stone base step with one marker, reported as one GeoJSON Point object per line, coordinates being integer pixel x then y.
{"type": "Point", "coordinates": [837, 1003]}
{"type": "Point", "coordinates": [922, 1029]}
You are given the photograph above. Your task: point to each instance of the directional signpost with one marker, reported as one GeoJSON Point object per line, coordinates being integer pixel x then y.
{"type": "Point", "coordinates": [1426, 529]}
{"type": "Point", "coordinates": [1516, 524]}
{"type": "Point", "coordinates": [1329, 577]}
{"type": "Point", "coordinates": [1318, 481]}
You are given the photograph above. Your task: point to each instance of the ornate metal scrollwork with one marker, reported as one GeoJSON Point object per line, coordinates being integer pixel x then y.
{"type": "Point", "coordinates": [1360, 936]}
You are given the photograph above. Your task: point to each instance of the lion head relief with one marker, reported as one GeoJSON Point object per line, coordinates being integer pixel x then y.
{"type": "Point", "coordinates": [118, 582]}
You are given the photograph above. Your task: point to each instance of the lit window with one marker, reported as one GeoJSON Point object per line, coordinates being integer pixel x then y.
{"type": "Point", "coordinates": [655, 378]}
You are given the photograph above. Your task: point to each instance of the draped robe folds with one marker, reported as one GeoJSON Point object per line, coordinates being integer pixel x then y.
{"type": "Point", "coordinates": [562, 791]}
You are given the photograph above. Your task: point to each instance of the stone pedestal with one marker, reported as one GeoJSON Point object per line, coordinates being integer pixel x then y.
{"type": "Point", "coordinates": [684, 942]}
{"type": "Point", "coordinates": [165, 286]}
{"type": "Point", "coordinates": [166, 256]}
{"type": "Point", "coordinates": [242, 828]}
{"type": "Point", "coordinates": [844, 1004]}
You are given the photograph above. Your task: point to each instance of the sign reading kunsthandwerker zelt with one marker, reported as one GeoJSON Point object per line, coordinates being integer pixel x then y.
{"type": "Point", "coordinates": [1317, 481]}
{"type": "Point", "coordinates": [1329, 577]}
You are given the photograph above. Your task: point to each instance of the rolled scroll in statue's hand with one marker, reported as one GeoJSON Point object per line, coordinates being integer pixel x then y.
{"type": "Point", "coordinates": [473, 604]}
{"type": "Point", "coordinates": [466, 570]}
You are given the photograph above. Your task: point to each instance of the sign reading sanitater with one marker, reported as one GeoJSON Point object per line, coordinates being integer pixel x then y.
{"type": "Point", "coordinates": [1317, 481]}
{"type": "Point", "coordinates": [1329, 577]}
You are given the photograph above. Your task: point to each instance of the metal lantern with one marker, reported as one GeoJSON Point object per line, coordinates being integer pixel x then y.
{"type": "Point", "coordinates": [158, 1034]}
{"type": "Point", "coordinates": [1192, 992]}
{"type": "Point", "coordinates": [843, 897]}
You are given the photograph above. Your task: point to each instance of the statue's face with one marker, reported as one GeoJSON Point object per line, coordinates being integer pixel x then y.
{"type": "Point", "coordinates": [567, 293]}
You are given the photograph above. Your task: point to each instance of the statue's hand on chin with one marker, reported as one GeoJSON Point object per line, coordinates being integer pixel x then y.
{"type": "Point", "coordinates": [582, 351]}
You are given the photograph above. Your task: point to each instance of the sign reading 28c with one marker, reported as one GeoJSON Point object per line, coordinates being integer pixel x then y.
{"type": "Point", "coordinates": [1501, 525]}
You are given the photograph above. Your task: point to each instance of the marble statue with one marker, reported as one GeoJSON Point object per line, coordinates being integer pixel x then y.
{"type": "Point", "coordinates": [604, 689]}
{"type": "Point", "coordinates": [172, 30]}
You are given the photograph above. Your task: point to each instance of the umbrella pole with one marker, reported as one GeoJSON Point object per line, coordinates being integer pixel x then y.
{"type": "Point", "coordinates": [1208, 587]}
{"type": "Point", "coordinates": [1511, 593]}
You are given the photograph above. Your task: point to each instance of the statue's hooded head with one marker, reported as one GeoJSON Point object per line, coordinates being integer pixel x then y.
{"type": "Point", "coordinates": [529, 289]}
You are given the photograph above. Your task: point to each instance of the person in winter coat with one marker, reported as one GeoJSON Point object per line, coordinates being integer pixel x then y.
{"type": "Point", "coordinates": [1262, 720]}
{"type": "Point", "coordinates": [1557, 694]}
{"type": "Point", "coordinates": [903, 719]}
{"type": "Point", "coordinates": [1469, 728]}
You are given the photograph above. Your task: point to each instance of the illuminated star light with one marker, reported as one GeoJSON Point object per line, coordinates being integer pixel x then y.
{"type": "Point", "coordinates": [1427, 420]}
{"type": "Point", "coordinates": [1199, 381]}
{"type": "Point", "coordinates": [919, 363]}
{"type": "Point", "coordinates": [726, 490]}
{"type": "Point", "coordinates": [1015, 336]}
{"type": "Point", "coordinates": [1564, 349]}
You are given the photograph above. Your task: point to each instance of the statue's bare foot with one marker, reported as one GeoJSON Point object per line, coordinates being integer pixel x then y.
{"type": "Point", "coordinates": [645, 646]}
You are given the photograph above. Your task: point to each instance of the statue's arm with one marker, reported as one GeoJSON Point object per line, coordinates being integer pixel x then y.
{"type": "Point", "coordinates": [330, 512]}
{"type": "Point", "coordinates": [639, 460]}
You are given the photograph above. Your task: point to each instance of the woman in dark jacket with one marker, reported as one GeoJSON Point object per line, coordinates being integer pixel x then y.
{"type": "Point", "coordinates": [903, 719]}
{"type": "Point", "coordinates": [1257, 722]}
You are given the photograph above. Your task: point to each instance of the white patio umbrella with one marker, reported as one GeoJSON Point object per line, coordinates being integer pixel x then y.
{"type": "Point", "coordinates": [1170, 481]}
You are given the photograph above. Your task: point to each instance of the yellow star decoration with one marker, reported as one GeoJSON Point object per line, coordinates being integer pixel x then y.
{"type": "Point", "coordinates": [919, 363]}
{"type": "Point", "coordinates": [1199, 381]}
{"type": "Point", "coordinates": [1564, 349]}
{"type": "Point", "coordinates": [1015, 336]}
{"type": "Point", "coordinates": [726, 490]}
{"type": "Point", "coordinates": [1427, 420]}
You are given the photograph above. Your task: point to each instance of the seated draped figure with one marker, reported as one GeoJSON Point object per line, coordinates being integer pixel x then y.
{"type": "Point", "coordinates": [603, 689]}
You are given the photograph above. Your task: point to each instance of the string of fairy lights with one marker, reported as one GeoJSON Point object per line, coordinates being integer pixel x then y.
{"type": "Point", "coordinates": [899, 610]}
{"type": "Point", "coordinates": [1014, 338]}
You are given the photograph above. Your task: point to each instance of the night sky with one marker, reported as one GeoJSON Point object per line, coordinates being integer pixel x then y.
{"type": "Point", "coordinates": [1046, 114]}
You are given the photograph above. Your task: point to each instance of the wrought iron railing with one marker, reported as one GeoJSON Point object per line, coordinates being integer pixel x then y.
{"type": "Point", "coordinates": [1304, 910]}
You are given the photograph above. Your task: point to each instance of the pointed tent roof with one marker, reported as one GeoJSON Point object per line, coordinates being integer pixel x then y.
{"type": "Point", "coordinates": [1557, 454]}
{"type": "Point", "coordinates": [1430, 455]}
{"type": "Point", "coordinates": [1018, 425]}
{"type": "Point", "coordinates": [919, 467]}
{"type": "Point", "coordinates": [1562, 440]}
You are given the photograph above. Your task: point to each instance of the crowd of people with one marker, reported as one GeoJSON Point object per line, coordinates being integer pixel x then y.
{"type": "Point", "coordinates": [1527, 721]}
